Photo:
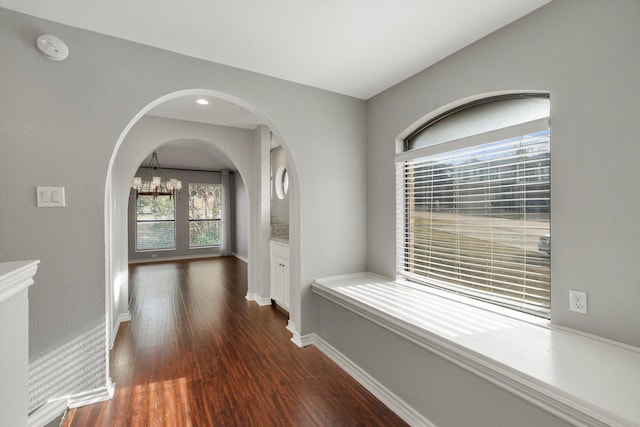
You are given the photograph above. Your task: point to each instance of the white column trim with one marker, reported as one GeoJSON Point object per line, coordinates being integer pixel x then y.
{"type": "Point", "coordinates": [16, 276]}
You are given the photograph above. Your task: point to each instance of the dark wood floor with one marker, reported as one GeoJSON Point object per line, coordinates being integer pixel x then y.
{"type": "Point", "coordinates": [196, 353]}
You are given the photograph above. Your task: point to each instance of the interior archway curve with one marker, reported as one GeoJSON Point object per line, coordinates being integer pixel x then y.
{"type": "Point", "coordinates": [127, 155]}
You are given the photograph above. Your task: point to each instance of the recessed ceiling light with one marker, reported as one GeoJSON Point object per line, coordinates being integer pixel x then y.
{"type": "Point", "coordinates": [202, 101]}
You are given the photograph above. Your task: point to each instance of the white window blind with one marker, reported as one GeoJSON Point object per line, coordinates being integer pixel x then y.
{"type": "Point", "coordinates": [471, 220]}
{"type": "Point", "coordinates": [155, 223]}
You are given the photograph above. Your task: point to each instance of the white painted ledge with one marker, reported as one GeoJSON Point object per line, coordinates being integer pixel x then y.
{"type": "Point", "coordinates": [16, 276]}
{"type": "Point", "coordinates": [544, 365]}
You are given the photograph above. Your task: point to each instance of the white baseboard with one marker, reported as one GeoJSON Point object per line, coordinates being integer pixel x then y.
{"type": "Point", "coordinates": [258, 299]}
{"type": "Point", "coordinates": [172, 258]}
{"type": "Point", "coordinates": [297, 340]}
{"type": "Point", "coordinates": [56, 407]}
{"type": "Point", "coordinates": [92, 396]}
{"type": "Point", "coordinates": [47, 412]}
{"type": "Point", "coordinates": [302, 340]}
{"type": "Point", "coordinates": [393, 402]}
{"type": "Point", "coordinates": [291, 327]}
{"type": "Point", "coordinates": [241, 258]}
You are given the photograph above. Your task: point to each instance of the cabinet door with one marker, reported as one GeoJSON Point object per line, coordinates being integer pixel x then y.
{"type": "Point", "coordinates": [276, 279]}
{"type": "Point", "coordinates": [280, 274]}
{"type": "Point", "coordinates": [285, 283]}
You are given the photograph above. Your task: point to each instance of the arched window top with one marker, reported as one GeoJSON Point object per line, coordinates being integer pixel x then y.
{"type": "Point", "coordinates": [473, 202]}
{"type": "Point", "coordinates": [480, 116]}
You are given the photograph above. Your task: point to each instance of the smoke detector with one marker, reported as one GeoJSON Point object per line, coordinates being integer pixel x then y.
{"type": "Point", "coordinates": [52, 47]}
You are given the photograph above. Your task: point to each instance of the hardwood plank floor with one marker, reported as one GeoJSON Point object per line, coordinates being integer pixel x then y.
{"type": "Point", "coordinates": [196, 353]}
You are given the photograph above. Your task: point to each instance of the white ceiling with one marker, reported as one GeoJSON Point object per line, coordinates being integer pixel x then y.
{"type": "Point", "coordinates": [217, 112]}
{"type": "Point", "coordinates": [191, 154]}
{"type": "Point", "coordinates": [353, 47]}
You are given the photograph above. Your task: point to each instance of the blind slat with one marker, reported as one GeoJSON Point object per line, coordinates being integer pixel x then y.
{"type": "Point", "coordinates": [155, 223]}
{"type": "Point", "coordinates": [472, 220]}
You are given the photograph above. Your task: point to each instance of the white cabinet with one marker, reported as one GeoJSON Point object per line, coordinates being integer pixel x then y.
{"type": "Point", "coordinates": [280, 273]}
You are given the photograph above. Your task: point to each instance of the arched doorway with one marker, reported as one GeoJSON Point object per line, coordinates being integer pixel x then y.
{"type": "Point", "coordinates": [252, 161]}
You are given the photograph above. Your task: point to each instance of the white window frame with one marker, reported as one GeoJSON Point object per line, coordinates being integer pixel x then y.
{"type": "Point", "coordinates": [446, 146]}
{"type": "Point", "coordinates": [218, 220]}
{"type": "Point", "coordinates": [156, 249]}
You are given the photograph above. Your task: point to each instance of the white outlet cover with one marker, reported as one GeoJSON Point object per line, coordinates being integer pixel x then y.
{"type": "Point", "coordinates": [578, 301]}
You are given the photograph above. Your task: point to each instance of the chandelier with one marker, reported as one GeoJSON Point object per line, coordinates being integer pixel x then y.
{"type": "Point", "coordinates": [153, 185]}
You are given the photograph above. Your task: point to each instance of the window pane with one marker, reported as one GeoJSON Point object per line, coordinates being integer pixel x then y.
{"type": "Point", "coordinates": [155, 225]}
{"type": "Point", "coordinates": [204, 233]}
{"type": "Point", "coordinates": [480, 118]}
{"type": "Point", "coordinates": [160, 208]}
{"type": "Point", "coordinates": [475, 220]}
{"type": "Point", "coordinates": [155, 235]}
{"type": "Point", "coordinates": [204, 201]}
{"type": "Point", "coordinates": [204, 215]}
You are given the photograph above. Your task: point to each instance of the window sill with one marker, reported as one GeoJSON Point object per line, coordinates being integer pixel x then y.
{"type": "Point", "coordinates": [581, 379]}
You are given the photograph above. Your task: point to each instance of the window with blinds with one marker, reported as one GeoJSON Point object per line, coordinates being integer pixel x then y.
{"type": "Point", "coordinates": [155, 223]}
{"type": "Point", "coordinates": [474, 211]}
{"type": "Point", "coordinates": [205, 214]}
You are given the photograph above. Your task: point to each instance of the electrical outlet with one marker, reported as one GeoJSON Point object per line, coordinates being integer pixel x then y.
{"type": "Point", "coordinates": [578, 301]}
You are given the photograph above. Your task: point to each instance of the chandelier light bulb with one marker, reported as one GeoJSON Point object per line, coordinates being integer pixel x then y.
{"type": "Point", "coordinates": [154, 185]}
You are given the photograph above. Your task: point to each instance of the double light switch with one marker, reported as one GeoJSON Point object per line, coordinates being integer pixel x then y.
{"type": "Point", "coordinates": [50, 197]}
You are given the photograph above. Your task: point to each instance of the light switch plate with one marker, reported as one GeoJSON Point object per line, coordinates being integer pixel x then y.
{"type": "Point", "coordinates": [50, 197]}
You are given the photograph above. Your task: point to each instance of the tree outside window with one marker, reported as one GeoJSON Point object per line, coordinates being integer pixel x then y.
{"type": "Point", "coordinates": [205, 214]}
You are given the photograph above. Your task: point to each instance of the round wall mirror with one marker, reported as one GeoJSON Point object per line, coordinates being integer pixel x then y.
{"type": "Point", "coordinates": [282, 182]}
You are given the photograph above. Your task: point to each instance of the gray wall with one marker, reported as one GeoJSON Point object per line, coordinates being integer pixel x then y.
{"type": "Point", "coordinates": [240, 227]}
{"type": "Point", "coordinates": [445, 394]}
{"type": "Point", "coordinates": [59, 124]}
{"type": "Point", "coordinates": [279, 207]}
{"type": "Point", "coordinates": [181, 218]}
{"type": "Point", "coordinates": [587, 55]}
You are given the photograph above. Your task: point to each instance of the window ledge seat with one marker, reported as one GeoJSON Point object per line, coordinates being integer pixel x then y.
{"type": "Point", "coordinates": [579, 378]}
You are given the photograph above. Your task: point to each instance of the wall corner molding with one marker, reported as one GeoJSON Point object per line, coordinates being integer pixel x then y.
{"type": "Point", "coordinates": [89, 397]}
{"type": "Point", "coordinates": [258, 299]}
{"type": "Point", "coordinates": [302, 340]}
{"type": "Point", "coordinates": [291, 327]}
